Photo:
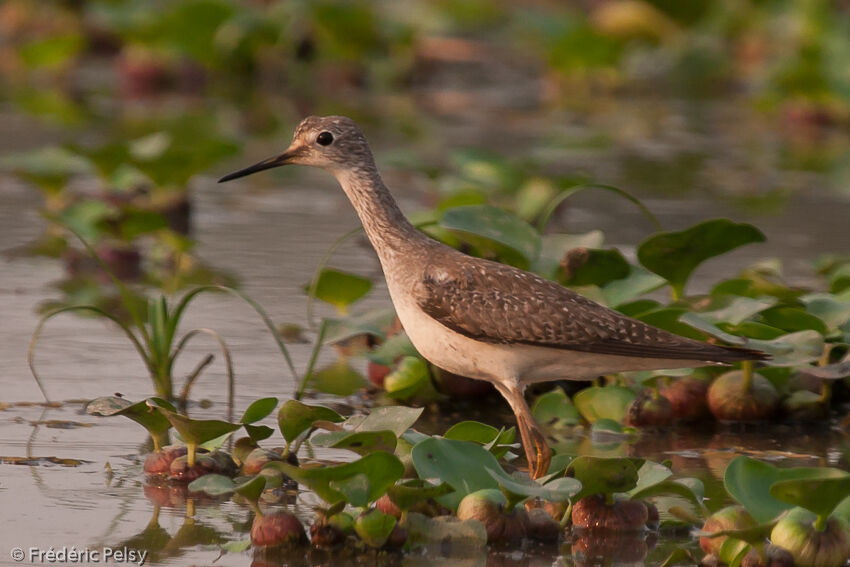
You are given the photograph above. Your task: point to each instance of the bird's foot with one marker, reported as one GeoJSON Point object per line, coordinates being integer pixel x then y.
{"type": "Point", "coordinates": [539, 455]}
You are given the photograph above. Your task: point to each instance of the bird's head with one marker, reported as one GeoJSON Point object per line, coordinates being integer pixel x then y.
{"type": "Point", "coordinates": [333, 143]}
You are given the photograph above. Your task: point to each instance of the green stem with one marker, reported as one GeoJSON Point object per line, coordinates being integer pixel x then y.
{"type": "Point", "coordinates": [747, 379]}
{"type": "Point", "coordinates": [820, 522]}
{"type": "Point", "coordinates": [313, 357]}
{"type": "Point", "coordinates": [190, 454]}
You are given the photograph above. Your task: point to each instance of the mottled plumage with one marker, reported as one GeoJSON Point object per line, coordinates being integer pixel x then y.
{"type": "Point", "coordinates": [479, 318]}
{"type": "Point", "coordinates": [492, 302]}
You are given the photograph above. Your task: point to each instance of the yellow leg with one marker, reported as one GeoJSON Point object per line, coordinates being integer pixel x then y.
{"type": "Point", "coordinates": [537, 451]}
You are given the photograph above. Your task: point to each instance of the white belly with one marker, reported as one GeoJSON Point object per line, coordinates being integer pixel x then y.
{"type": "Point", "coordinates": [511, 363]}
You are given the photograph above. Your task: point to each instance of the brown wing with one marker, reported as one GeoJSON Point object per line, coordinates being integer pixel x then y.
{"type": "Point", "coordinates": [496, 303]}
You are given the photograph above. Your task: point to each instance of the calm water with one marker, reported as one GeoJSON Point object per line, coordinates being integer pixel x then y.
{"type": "Point", "coordinates": [684, 167]}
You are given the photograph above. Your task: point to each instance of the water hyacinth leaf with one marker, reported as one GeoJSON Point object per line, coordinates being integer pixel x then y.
{"type": "Point", "coordinates": [792, 349]}
{"type": "Point", "coordinates": [213, 484]}
{"type": "Point", "coordinates": [407, 493]}
{"type": "Point", "coordinates": [649, 474]}
{"type": "Point", "coordinates": [140, 412]}
{"type": "Point", "coordinates": [588, 266]}
{"type": "Point", "coordinates": [843, 510]}
{"type": "Point", "coordinates": [252, 488]}
{"type": "Point", "coordinates": [686, 488]}
{"type": "Point", "coordinates": [749, 481]}
{"type": "Point", "coordinates": [374, 527]}
{"type": "Point", "coordinates": [835, 371]}
{"type": "Point", "coordinates": [732, 551]}
{"type": "Point", "coordinates": [355, 488]}
{"type": "Point", "coordinates": [497, 441]}
{"type": "Point", "coordinates": [474, 431]}
{"type": "Point", "coordinates": [609, 402]}
{"type": "Point", "coordinates": [295, 417]}
{"type": "Point", "coordinates": [258, 432]}
{"type": "Point", "coordinates": [553, 247]}
{"type": "Point", "coordinates": [557, 490]}
{"type": "Point", "coordinates": [602, 475]}
{"type": "Point", "coordinates": [339, 288]}
{"type": "Point", "coordinates": [258, 410]}
{"type": "Point", "coordinates": [831, 309]}
{"type": "Point", "coordinates": [555, 410]}
{"type": "Point", "coordinates": [237, 546]}
{"type": "Point", "coordinates": [737, 309]}
{"type": "Point", "coordinates": [819, 492]}
{"type": "Point", "coordinates": [492, 228]}
{"type": "Point", "coordinates": [680, 556]}
{"type": "Point", "coordinates": [392, 349]}
{"type": "Point", "coordinates": [461, 464]}
{"type": "Point", "coordinates": [374, 322]}
{"type": "Point", "coordinates": [675, 255]}
{"type": "Point", "coordinates": [137, 222]}
{"type": "Point", "coordinates": [381, 470]}
{"type": "Point", "coordinates": [668, 318]}
{"type": "Point", "coordinates": [410, 375]}
{"type": "Point", "coordinates": [49, 168]}
{"type": "Point", "coordinates": [361, 442]}
{"type": "Point", "coordinates": [193, 431]}
{"type": "Point", "coordinates": [638, 282]}
{"type": "Point", "coordinates": [397, 419]}
{"type": "Point", "coordinates": [338, 378]}
{"type": "Point", "coordinates": [86, 217]}
{"type": "Point", "coordinates": [791, 319]}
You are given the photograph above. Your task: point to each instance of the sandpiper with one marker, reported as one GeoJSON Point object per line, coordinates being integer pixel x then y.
{"type": "Point", "coordinates": [480, 318]}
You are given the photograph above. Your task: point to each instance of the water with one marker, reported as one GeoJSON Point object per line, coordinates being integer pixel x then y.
{"type": "Point", "coordinates": [273, 238]}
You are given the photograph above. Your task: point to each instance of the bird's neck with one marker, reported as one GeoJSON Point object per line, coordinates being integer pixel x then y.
{"type": "Point", "coordinates": [388, 229]}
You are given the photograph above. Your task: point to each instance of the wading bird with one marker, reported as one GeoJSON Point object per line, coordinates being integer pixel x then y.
{"type": "Point", "coordinates": [480, 318]}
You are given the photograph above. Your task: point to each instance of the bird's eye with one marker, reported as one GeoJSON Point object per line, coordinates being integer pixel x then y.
{"type": "Point", "coordinates": [325, 139]}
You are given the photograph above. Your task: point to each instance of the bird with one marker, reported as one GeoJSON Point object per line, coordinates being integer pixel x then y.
{"type": "Point", "coordinates": [479, 318]}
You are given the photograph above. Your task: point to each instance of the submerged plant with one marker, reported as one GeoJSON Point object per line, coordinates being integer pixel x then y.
{"type": "Point", "coordinates": [153, 333]}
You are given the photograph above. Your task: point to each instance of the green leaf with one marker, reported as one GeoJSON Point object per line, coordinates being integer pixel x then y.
{"type": "Point", "coordinates": [338, 378]}
{"type": "Point", "coordinates": [474, 431]}
{"type": "Point", "coordinates": [294, 418]}
{"type": "Point", "coordinates": [374, 322]}
{"type": "Point", "coordinates": [820, 491]}
{"type": "Point", "coordinates": [496, 230]}
{"type": "Point", "coordinates": [609, 402]}
{"type": "Point", "coordinates": [85, 217]}
{"type": "Point", "coordinates": [340, 289]}
{"type": "Point", "coordinates": [557, 490]}
{"type": "Point", "coordinates": [675, 255]}
{"type": "Point", "coordinates": [636, 283]}
{"type": "Point", "coordinates": [554, 410]}
{"type": "Point", "coordinates": [381, 470]}
{"type": "Point", "coordinates": [692, 490]}
{"type": "Point", "coordinates": [409, 377]}
{"type": "Point", "coordinates": [407, 493]}
{"type": "Point", "coordinates": [258, 432]}
{"type": "Point", "coordinates": [52, 51]}
{"type": "Point", "coordinates": [258, 410]}
{"type": "Point", "coordinates": [737, 309]}
{"type": "Point", "coordinates": [374, 527]}
{"type": "Point", "coordinates": [392, 349]}
{"type": "Point", "coordinates": [751, 482]}
{"type": "Point", "coordinates": [137, 222]}
{"type": "Point", "coordinates": [587, 266]}
{"type": "Point", "coordinates": [461, 464]}
{"type": "Point", "coordinates": [553, 247]}
{"type": "Point", "coordinates": [602, 475]}
{"type": "Point", "coordinates": [397, 419]}
{"type": "Point", "coordinates": [213, 484]}
{"type": "Point", "coordinates": [650, 474]}
{"type": "Point", "coordinates": [361, 442]}
{"type": "Point", "coordinates": [140, 412]}
{"type": "Point", "coordinates": [193, 431]}
{"type": "Point", "coordinates": [792, 319]}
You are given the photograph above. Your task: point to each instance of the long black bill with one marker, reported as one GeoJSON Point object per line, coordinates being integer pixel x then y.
{"type": "Point", "coordinates": [275, 161]}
